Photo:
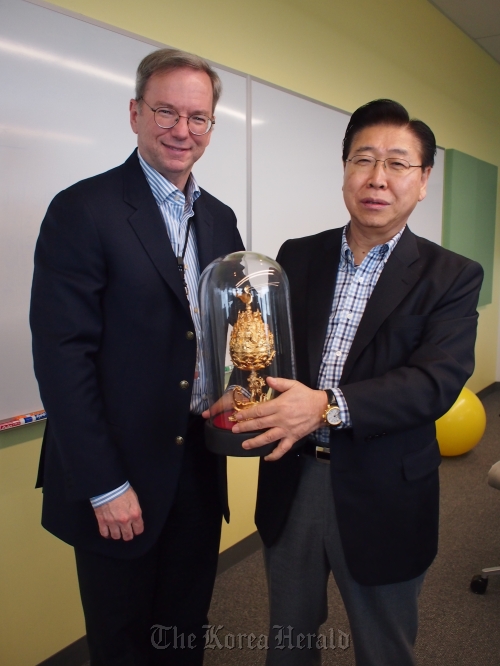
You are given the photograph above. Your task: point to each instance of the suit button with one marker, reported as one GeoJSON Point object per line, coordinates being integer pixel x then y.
{"type": "Point", "coordinates": [190, 335]}
{"type": "Point", "coordinates": [179, 440]}
{"type": "Point", "coordinates": [184, 384]}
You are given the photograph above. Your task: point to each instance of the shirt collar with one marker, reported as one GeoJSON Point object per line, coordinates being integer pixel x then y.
{"type": "Point", "coordinates": [163, 190]}
{"type": "Point", "coordinates": [385, 249]}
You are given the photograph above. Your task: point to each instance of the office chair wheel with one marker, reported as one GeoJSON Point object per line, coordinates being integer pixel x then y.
{"type": "Point", "coordinates": [479, 584]}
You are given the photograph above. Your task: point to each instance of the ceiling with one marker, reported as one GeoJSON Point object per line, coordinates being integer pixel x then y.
{"type": "Point", "coordinates": [479, 19]}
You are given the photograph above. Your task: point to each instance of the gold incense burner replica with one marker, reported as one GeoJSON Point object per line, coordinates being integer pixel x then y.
{"type": "Point", "coordinates": [239, 343]}
{"type": "Point", "coordinates": [251, 347]}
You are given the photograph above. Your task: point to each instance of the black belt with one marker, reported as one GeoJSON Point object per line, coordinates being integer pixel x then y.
{"type": "Point", "coordinates": [317, 450]}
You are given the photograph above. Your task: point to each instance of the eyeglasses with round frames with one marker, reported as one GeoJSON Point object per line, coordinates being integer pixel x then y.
{"type": "Point", "coordinates": [167, 118]}
{"type": "Point", "coordinates": [393, 164]}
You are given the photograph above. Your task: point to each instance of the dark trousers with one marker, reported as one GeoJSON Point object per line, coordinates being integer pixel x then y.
{"type": "Point", "coordinates": [151, 610]}
{"type": "Point", "coordinates": [383, 618]}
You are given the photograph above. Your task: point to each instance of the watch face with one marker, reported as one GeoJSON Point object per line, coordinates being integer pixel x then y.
{"type": "Point", "coordinates": [333, 416]}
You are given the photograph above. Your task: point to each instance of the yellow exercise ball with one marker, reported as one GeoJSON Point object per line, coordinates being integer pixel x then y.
{"type": "Point", "coordinates": [461, 428]}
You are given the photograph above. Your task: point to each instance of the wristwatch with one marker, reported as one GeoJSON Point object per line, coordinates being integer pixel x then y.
{"type": "Point", "coordinates": [331, 415]}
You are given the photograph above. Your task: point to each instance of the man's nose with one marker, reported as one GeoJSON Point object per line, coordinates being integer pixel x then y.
{"type": "Point", "coordinates": [180, 129]}
{"type": "Point", "coordinates": [378, 177]}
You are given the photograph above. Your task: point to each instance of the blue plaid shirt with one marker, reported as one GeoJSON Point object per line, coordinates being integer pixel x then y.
{"type": "Point", "coordinates": [353, 289]}
{"type": "Point", "coordinates": [176, 209]}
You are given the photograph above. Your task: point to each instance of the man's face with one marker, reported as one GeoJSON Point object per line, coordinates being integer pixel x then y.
{"type": "Point", "coordinates": [380, 201]}
{"type": "Point", "coordinates": [172, 152]}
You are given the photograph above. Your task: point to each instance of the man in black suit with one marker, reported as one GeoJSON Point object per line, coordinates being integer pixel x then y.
{"type": "Point", "coordinates": [116, 338]}
{"type": "Point", "coordinates": [384, 325]}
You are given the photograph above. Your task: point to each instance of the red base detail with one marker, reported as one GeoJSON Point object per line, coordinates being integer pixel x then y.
{"type": "Point", "coordinates": [222, 420]}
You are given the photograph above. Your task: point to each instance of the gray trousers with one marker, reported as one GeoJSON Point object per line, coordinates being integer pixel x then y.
{"type": "Point", "coordinates": [383, 618]}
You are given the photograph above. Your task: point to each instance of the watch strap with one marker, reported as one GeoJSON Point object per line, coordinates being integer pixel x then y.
{"type": "Point", "coordinates": [330, 396]}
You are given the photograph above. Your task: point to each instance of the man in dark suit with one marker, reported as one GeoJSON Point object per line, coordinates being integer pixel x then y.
{"type": "Point", "coordinates": [384, 325]}
{"type": "Point", "coordinates": [116, 338]}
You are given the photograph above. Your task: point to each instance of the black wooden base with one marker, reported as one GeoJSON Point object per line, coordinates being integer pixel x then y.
{"type": "Point", "coordinates": [227, 443]}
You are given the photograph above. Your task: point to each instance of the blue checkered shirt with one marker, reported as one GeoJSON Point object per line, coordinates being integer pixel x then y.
{"type": "Point", "coordinates": [176, 209]}
{"type": "Point", "coordinates": [353, 289]}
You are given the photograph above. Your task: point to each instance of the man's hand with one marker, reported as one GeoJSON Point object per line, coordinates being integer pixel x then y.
{"type": "Point", "coordinates": [223, 404]}
{"type": "Point", "coordinates": [121, 518]}
{"type": "Point", "coordinates": [294, 414]}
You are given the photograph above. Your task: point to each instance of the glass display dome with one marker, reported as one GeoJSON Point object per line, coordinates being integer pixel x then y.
{"type": "Point", "coordinates": [247, 336]}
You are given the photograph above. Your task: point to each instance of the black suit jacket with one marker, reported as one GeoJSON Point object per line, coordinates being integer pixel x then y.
{"type": "Point", "coordinates": [411, 355]}
{"type": "Point", "coordinates": [109, 318]}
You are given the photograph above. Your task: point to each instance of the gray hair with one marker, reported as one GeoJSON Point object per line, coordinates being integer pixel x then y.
{"type": "Point", "coordinates": [165, 60]}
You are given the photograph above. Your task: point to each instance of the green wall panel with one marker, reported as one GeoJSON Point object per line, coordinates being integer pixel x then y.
{"type": "Point", "coordinates": [470, 194]}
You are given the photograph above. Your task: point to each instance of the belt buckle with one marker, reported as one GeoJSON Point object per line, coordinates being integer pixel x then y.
{"type": "Point", "coordinates": [323, 454]}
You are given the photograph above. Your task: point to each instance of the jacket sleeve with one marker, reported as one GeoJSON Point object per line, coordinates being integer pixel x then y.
{"type": "Point", "coordinates": [426, 385]}
{"type": "Point", "coordinates": [67, 322]}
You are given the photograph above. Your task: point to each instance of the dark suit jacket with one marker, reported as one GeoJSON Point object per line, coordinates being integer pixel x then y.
{"type": "Point", "coordinates": [412, 353]}
{"type": "Point", "coordinates": [109, 318]}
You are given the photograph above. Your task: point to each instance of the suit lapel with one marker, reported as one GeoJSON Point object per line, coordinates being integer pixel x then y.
{"type": "Point", "coordinates": [320, 289]}
{"type": "Point", "coordinates": [204, 228]}
{"type": "Point", "coordinates": [396, 280]}
{"type": "Point", "coordinates": [149, 226]}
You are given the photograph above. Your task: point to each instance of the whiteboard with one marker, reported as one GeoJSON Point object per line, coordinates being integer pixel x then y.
{"type": "Point", "coordinates": [296, 168]}
{"type": "Point", "coordinates": [66, 85]}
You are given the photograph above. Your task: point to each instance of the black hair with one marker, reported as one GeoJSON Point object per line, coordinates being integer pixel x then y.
{"type": "Point", "coordinates": [388, 112]}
